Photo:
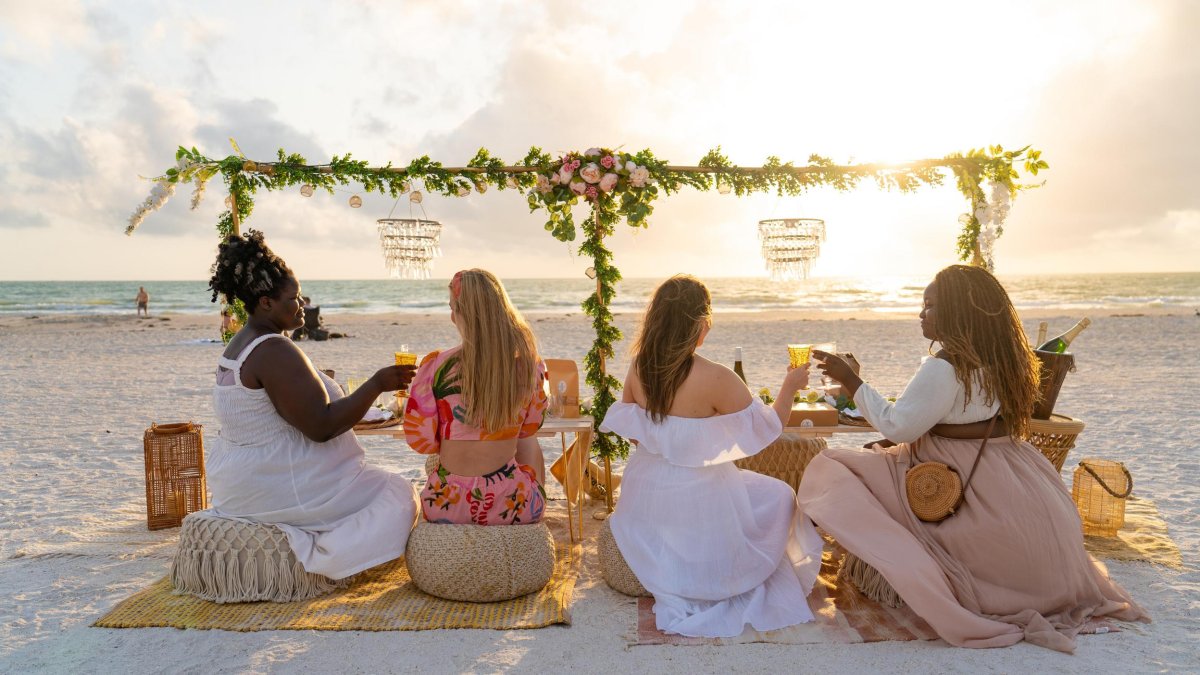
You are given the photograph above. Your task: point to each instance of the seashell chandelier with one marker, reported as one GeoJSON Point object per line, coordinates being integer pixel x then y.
{"type": "Point", "coordinates": [409, 246]}
{"type": "Point", "coordinates": [790, 245]}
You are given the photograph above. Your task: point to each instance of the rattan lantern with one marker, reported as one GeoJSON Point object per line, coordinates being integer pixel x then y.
{"type": "Point", "coordinates": [175, 481]}
{"type": "Point", "coordinates": [790, 245]}
{"type": "Point", "coordinates": [1099, 488]}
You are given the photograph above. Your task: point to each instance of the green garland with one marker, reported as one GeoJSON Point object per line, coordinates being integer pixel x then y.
{"type": "Point", "coordinates": [614, 185]}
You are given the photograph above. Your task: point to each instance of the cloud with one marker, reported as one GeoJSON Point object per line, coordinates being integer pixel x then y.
{"type": "Point", "coordinates": [19, 219]}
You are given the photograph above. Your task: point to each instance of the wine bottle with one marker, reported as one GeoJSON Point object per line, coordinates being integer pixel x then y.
{"type": "Point", "coordinates": [1058, 345]}
{"type": "Point", "coordinates": [1041, 333]}
{"type": "Point", "coordinates": [737, 363]}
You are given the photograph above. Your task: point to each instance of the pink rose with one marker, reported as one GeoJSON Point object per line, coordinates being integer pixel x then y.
{"type": "Point", "coordinates": [566, 173]}
{"type": "Point", "coordinates": [639, 176]}
{"type": "Point", "coordinates": [543, 183]}
{"type": "Point", "coordinates": [591, 152]}
{"type": "Point", "coordinates": [578, 187]}
{"type": "Point", "coordinates": [554, 179]}
{"type": "Point", "coordinates": [591, 192]}
{"type": "Point", "coordinates": [609, 181]}
{"type": "Point", "coordinates": [575, 164]}
{"type": "Point", "coordinates": [608, 161]}
{"type": "Point", "coordinates": [590, 173]}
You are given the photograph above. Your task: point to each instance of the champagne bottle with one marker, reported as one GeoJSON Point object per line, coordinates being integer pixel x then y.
{"type": "Point", "coordinates": [1058, 345]}
{"type": "Point", "coordinates": [737, 363]}
{"type": "Point", "coordinates": [1041, 333]}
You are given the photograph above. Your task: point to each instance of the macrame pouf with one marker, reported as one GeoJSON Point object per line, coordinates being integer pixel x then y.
{"type": "Point", "coordinates": [224, 560]}
{"type": "Point", "coordinates": [868, 581]}
{"type": "Point", "coordinates": [480, 563]}
{"type": "Point", "coordinates": [613, 567]}
{"type": "Point", "coordinates": [786, 458]}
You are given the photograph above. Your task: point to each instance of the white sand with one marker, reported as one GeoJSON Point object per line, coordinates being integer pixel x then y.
{"type": "Point", "coordinates": [78, 393]}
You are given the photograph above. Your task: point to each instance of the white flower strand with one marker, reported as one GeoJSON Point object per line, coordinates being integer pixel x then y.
{"type": "Point", "coordinates": [159, 194]}
{"type": "Point", "coordinates": [991, 215]}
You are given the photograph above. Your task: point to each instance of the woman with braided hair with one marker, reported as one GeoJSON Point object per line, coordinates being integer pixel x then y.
{"type": "Point", "coordinates": [1009, 563]}
{"type": "Point", "coordinates": [285, 454]}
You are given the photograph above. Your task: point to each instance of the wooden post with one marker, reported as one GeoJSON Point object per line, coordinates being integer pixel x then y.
{"type": "Point", "coordinates": [237, 223]}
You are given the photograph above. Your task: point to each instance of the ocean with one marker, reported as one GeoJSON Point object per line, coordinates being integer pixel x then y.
{"type": "Point", "coordinates": [1070, 293]}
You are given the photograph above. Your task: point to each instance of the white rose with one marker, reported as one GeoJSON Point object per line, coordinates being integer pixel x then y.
{"type": "Point", "coordinates": [592, 152]}
{"type": "Point", "coordinates": [630, 166]}
{"type": "Point", "coordinates": [609, 181]}
{"type": "Point", "coordinates": [578, 187]}
{"type": "Point", "coordinates": [543, 183]}
{"type": "Point", "coordinates": [565, 174]}
{"type": "Point", "coordinates": [639, 176]}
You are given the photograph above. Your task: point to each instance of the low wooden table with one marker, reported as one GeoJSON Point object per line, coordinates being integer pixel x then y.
{"type": "Point", "coordinates": [552, 426]}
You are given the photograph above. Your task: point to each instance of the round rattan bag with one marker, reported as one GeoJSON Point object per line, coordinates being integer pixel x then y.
{"type": "Point", "coordinates": [934, 491]}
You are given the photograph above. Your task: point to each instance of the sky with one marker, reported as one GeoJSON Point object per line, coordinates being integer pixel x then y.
{"type": "Point", "coordinates": [96, 96]}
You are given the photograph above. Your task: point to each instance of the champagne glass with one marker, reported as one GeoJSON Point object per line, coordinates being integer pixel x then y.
{"type": "Point", "coordinates": [829, 348]}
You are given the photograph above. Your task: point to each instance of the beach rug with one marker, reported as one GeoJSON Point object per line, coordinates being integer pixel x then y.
{"type": "Point", "coordinates": [1144, 538]}
{"type": "Point", "coordinates": [842, 616]}
{"type": "Point", "coordinates": [382, 598]}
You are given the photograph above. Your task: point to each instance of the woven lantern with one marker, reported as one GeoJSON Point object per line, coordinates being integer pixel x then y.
{"type": "Point", "coordinates": [1099, 488]}
{"type": "Point", "coordinates": [175, 482]}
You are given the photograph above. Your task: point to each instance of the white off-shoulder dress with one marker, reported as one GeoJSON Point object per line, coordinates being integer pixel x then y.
{"type": "Point", "coordinates": [719, 548]}
{"type": "Point", "coordinates": [341, 516]}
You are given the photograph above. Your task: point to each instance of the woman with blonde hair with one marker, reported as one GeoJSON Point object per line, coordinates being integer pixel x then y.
{"type": "Point", "coordinates": [1008, 564]}
{"type": "Point", "coordinates": [719, 548]}
{"type": "Point", "coordinates": [478, 407]}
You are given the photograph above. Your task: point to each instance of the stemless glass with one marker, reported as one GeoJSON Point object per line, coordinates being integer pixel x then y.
{"type": "Point", "coordinates": [830, 348]}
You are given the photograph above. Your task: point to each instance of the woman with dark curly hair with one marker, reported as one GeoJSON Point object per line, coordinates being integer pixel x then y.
{"type": "Point", "coordinates": [1009, 563]}
{"type": "Point", "coordinates": [285, 454]}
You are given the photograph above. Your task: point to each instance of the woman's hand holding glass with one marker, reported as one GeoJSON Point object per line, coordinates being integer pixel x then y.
{"type": "Point", "coordinates": [836, 369]}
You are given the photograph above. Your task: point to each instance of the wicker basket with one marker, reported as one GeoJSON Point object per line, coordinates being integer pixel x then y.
{"type": "Point", "coordinates": [175, 483]}
{"type": "Point", "coordinates": [1099, 489]}
{"type": "Point", "coordinates": [1054, 437]}
{"type": "Point", "coordinates": [785, 459]}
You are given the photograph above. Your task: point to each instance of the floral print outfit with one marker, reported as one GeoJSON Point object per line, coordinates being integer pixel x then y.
{"type": "Point", "coordinates": [509, 495]}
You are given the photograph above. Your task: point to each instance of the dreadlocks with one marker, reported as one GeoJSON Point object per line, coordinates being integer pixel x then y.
{"type": "Point", "coordinates": [978, 327]}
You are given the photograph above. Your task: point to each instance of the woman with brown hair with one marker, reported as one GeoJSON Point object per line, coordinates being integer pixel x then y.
{"type": "Point", "coordinates": [719, 548]}
{"type": "Point", "coordinates": [478, 406]}
{"type": "Point", "coordinates": [1009, 563]}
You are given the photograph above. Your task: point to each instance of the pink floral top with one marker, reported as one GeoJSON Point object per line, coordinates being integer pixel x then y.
{"type": "Point", "coordinates": [435, 408]}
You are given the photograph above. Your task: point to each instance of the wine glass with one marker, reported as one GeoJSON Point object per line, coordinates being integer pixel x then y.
{"type": "Point", "coordinates": [830, 348]}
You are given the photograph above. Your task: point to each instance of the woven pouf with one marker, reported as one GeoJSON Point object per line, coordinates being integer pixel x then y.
{"type": "Point", "coordinates": [613, 567]}
{"type": "Point", "coordinates": [868, 581]}
{"type": "Point", "coordinates": [480, 563]}
{"type": "Point", "coordinates": [785, 458]}
{"type": "Point", "coordinates": [225, 560]}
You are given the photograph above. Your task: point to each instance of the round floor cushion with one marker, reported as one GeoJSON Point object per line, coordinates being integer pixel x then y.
{"type": "Point", "coordinates": [785, 458]}
{"type": "Point", "coordinates": [225, 560]}
{"type": "Point", "coordinates": [613, 567]}
{"type": "Point", "coordinates": [480, 563]}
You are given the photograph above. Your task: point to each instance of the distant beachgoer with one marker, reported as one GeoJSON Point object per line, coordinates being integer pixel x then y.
{"type": "Point", "coordinates": [478, 406]}
{"type": "Point", "coordinates": [285, 454]}
{"type": "Point", "coordinates": [143, 301]}
{"type": "Point", "coordinates": [1009, 564]}
{"type": "Point", "coordinates": [718, 547]}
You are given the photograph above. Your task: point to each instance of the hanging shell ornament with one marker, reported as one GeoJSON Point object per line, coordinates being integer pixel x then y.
{"type": "Point", "coordinates": [511, 182]}
{"type": "Point", "coordinates": [481, 187]}
{"type": "Point", "coordinates": [355, 201]}
{"type": "Point", "coordinates": [463, 190]}
{"type": "Point", "coordinates": [590, 272]}
{"type": "Point", "coordinates": [306, 190]}
{"type": "Point", "coordinates": [416, 197]}
{"type": "Point", "coordinates": [723, 187]}
{"type": "Point", "coordinates": [229, 202]}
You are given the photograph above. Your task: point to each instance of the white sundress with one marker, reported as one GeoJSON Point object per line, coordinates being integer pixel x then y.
{"type": "Point", "coordinates": [340, 515]}
{"type": "Point", "coordinates": [718, 547]}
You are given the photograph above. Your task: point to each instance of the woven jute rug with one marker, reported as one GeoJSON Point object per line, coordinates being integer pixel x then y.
{"type": "Point", "coordinates": [380, 599]}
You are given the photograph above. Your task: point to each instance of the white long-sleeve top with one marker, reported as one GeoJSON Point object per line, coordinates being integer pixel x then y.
{"type": "Point", "coordinates": [933, 396]}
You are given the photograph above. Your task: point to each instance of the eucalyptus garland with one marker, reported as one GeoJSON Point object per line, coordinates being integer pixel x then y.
{"type": "Point", "coordinates": [614, 185]}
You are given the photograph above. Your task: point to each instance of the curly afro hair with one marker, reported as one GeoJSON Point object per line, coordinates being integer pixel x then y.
{"type": "Point", "coordinates": [247, 270]}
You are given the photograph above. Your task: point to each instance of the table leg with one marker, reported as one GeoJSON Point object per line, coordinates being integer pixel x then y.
{"type": "Point", "coordinates": [577, 467]}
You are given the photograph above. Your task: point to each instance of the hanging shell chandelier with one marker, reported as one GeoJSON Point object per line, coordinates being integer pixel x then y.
{"type": "Point", "coordinates": [790, 245]}
{"type": "Point", "coordinates": [409, 246]}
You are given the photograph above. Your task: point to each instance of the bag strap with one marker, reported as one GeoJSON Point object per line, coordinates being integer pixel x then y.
{"type": "Point", "coordinates": [967, 483]}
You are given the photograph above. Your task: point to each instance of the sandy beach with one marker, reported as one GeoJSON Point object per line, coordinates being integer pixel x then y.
{"type": "Point", "coordinates": [79, 391]}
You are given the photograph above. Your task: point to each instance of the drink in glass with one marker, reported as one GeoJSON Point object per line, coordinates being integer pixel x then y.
{"type": "Point", "coordinates": [798, 354]}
